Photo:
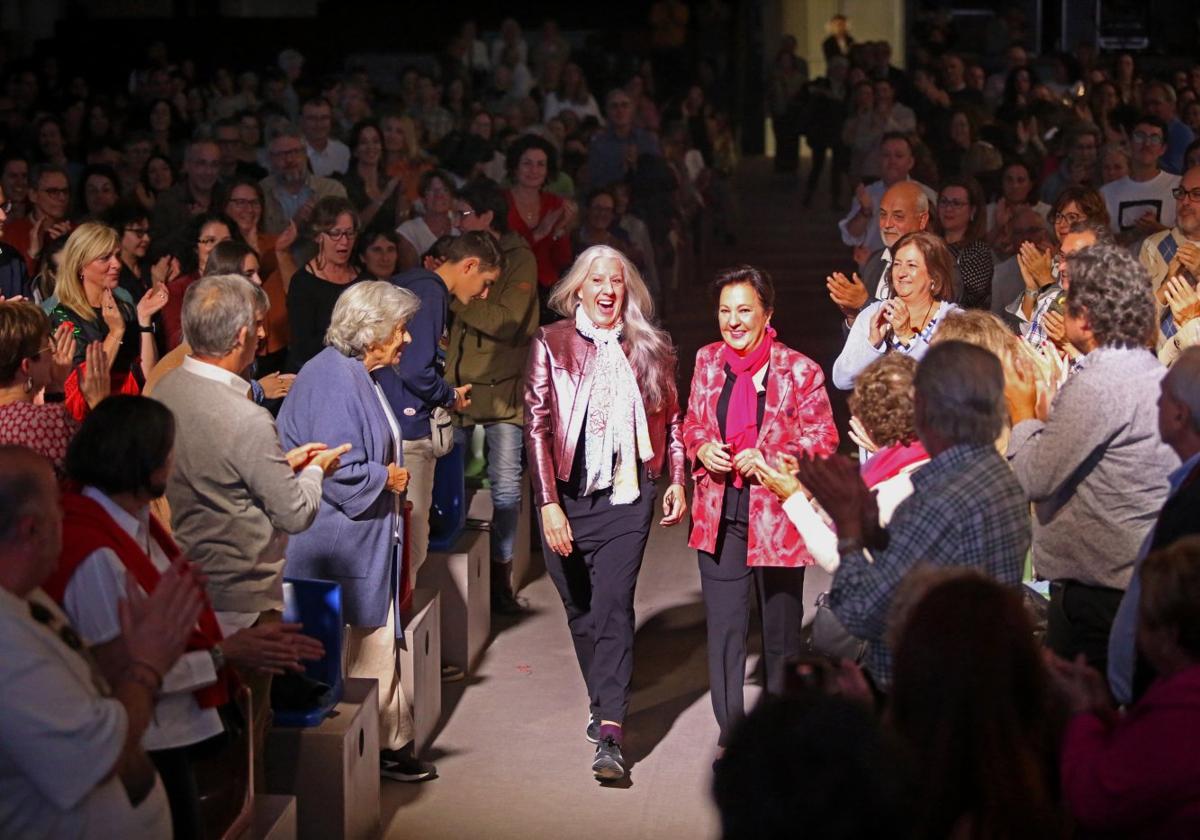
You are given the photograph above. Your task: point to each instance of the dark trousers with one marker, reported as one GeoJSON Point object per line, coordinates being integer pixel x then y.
{"type": "Point", "coordinates": [1080, 619]}
{"type": "Point", "coordinates": [836, 171]}
{"type": "Point", "coordinates": [177, 769]}
{"type": "Point", "coordinates": [596, 584]}
{"type": "Point", "coordinates": [728, 583]}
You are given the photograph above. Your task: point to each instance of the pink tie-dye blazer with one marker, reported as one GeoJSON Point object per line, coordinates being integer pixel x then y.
{"type": "Point", "coordinates": [797, 420]}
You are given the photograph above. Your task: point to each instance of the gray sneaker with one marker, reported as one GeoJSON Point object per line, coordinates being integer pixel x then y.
{"type": "Point", "coordinates": [609, 764]}
{"type": "Point", "coordinates": [593, 730]}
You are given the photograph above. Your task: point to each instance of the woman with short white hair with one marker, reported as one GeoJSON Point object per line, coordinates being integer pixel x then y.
{"type": "Point", "coordinates": [357, 537]}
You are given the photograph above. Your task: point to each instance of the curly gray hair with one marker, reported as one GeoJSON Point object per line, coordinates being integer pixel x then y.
{"type": "Point", "coordinates": [368, 312]}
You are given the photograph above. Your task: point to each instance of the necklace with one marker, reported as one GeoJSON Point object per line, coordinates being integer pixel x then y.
{"type": "Point", "coordinates": [926, 319]}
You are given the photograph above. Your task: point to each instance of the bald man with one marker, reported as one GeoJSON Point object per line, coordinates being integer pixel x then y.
{"type": "Point", "coordinates": [1171, 253]}
{"type": "Point", "coordinates": [904, 208]}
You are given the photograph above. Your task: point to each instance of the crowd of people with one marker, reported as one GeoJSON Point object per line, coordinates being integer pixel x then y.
{"type": "Point", "coordinates": [242, 321]}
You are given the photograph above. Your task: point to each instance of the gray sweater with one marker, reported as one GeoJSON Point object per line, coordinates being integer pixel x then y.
{"type": "Point", "coordinates": [233, 496]}
{"type": "Point", "coordinates": [1097, 469]}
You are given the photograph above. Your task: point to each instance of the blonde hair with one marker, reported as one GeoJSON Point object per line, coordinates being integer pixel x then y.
{"type": "Point", "coordinates": [983, 329]}
{"type": "Point", "coordinates": [649, 346]}
{"type": "Point", "coordinates": [408, 127]}
{"type": "Point", "coordinates": [89, 241]}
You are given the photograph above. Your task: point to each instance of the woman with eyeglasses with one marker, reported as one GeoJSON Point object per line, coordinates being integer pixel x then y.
{"type": "Point", "coordinates": [132, 222]}
{"type": "Point", "coordinates": [922, 285]}
{"type": "Point", "coordinates": [204, 233]}
{"type": "Point", "coordinates": [418, 234]}
{"type": "Point", "coordinates": [36, 362]}
{"type": "Point", "coordinates": [962, 218]}
{"type": "Point", "coordinates": [316, 287]}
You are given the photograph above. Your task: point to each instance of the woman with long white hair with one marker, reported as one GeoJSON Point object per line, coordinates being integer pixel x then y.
{"type": "Point", "coordinates": [602, 423]}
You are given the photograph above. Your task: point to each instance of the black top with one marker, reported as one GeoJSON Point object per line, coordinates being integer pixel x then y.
{"type": "Point", "coordinates": [310, 302]}
{"type": "Point", "coordinates": [736, 507]}
{"type": "Point", "coordinates": [975, 265]}
{"type": "Point", "coordinates": [96, 330]}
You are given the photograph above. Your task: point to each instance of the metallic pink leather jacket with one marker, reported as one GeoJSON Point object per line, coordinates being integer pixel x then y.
{"type": "Point", "coordinates": [559, 370]}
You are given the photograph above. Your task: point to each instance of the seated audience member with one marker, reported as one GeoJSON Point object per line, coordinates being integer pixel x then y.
{"type": "Point", "coordinates": [357, 537]}
{"type": "Point", "coordinates": [488, 349]}
{"type": "Point", "coordinates": [417, 385]}
{"type": "Point", "coordinates": [419, 233]}
{"type": "Point", "coordinates": [403, 156]}
{"type": "Point", "coordinates": [50, 197]}
{"type": "Point", "coordinates": [234, 494]}
{"type": "Point", "coordinates": [896, 162]}
{"type": "Point", "coordinates": [120, 461]}
{"type": "Point", "coordinates": [974, 708]}
{"type": "Point", "coordinates": [100, 189]}
{"type": "Point", "coordinates": [921, 282]}
{"type": "Point", "coordinates": [1078, 167]}
{"type": "Point", "coordinates": [966, 509]}
{"type": "Point", "coordinates": [1095, 468]}
{"type": "Point", "coordinates": [1026, 225]}
{"type": "Point", "coordinates": [962, 218]}
{"type": "Point", "coordinates": [157, 177]}
{"type": "Point", "coordinates": [831, 747]}
{"type": "Point", "coordinates": [1159, 100]}
{"type": "Point", "coordinates": [1141, 203]}
{"type": "Point", "coordinates": [201, 234]}
{"type": "Point", "coordinates": [87, 297]}
{"type": "Point", "coordinates": [1115, 162]}
{"type": "Point", "coordinates": [377, 254]}
{"type": "Point", "coordinates": [1179, 425]}
{"type": "Point", "coordinates": [315, 288]}
{"type": "Point", "coordinates": [613, 151]}
{"type": "Point", "coordinates": [36, 363]}
{"type": "Point", "coordinates": [1136, 775]}
{"type": "Point", "coordinates": [14, 180]}
{"type": "Point", "coordinates": [1016, 193]}
{"type": "Point", "coordinates": [72, 762]}
{"type": "Point", "coordinates": [1175, 254]}
{"type": "Point", "coordinates": [881, 422]}
{"type": "Point", "coordinates": [194, 194]}
{"type": "Point", "coordinates": [291, 192]}
{"type": "Point", "coordinates": [327, 156]}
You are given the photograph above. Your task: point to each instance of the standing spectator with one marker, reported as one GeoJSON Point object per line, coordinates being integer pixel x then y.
{"type": "Point", "coordinates": [132, 222]}
{"type": "Point", "coordinates": [543, 219]}
{"type": "Point", "coordinates": [377, 254]}
{"type": "Point", "coordinates": [1171, 254]}
{"type": "Point", "coordinates": [314, 289]}
{"type": "Point", "coordinates": [1141, 203]}
{"type": "Point", "coordinates": [489, 345]}
{"type": "Point", "coordinates": [233, 504]}
{"type": "Point", "coordinates": [434, 121]}
{"type": "Point", "coordinates": [1078, 167]}
{"type": "Point", "coordinates": [896, 161]}
{"type": "Point", "coordinates": [14, 179]}
{"type": "Point", "coordinates": [862, 133]}
{"type": "Point", "coordinates": [1179, 426]}
{"type": "Point", "coordinates": [357, 537]}
{"type": "Point", "coordinates": [327, 156]}
{"type": "Point", "coordinates": [200, 236]}
{"type": "Point", "coordinates": [72, 761]}
{"type": "Point", "coordinates": [291, 191]}
{"type": "Point", "coordinates": [100, 187]}
{"type": "Point", "coordinates": [157, 176]}
{"type": "Point", "coordinates": [402, 155]}
{"type": "Point", "coordinates": [49, 219]}
{"type": "Point", "coordinates": [1016, 191]}
{"type": "Point", "coordinates": [417, 385]}
{"type": "Point", "coordinates": [596, 446]}
{"type": "Point", "coordinates": [418, 234]}
{"type": "Point", "coordinates": [14, 274]}
{"type": "Point", "coordinates": [839, 41]}
{"type": "Point", "coordinates": [1100, 439]}
{"type": "Point", "coordinates": [966, 509]}
{"type": "Point", "coordinates": [1025, 225]}
{"type": "Point", "coordinates": [1158, 100]}
{"type": "Point", "coordinates": [367, 184]}
{"type": "Point", "coordinates": [613, 152]}
{"type": "Point", "coordinates": [825, 111]}
{"type": "Point", "coordinates": [962, 217]}
{"type": "Point", "coordinates": [784, 104]}
{"type": "Point", "coordinates": [572, 95]}
{"type": "Point", "coordinates": [193, 195]}
{"type": "Point", "coordinates": [753, 401]}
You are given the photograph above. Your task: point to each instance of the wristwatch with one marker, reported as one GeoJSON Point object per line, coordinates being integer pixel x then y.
{"type": "Point", "coordinates": [149, 328]}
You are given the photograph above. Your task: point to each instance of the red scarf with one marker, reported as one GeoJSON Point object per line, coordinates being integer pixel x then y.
{"type": "Point", "coordinates": [122, 383]}
{"type": "Point", "coordinates": [87, 527]}
{"type": "Point", "coordinates": [891, 461]}
{"type": "Point", "coordinates": [741, 417]}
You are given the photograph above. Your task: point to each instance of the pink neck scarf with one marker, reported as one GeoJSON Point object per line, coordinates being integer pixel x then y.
{"type": "Point", "coordinates": [741, 418]}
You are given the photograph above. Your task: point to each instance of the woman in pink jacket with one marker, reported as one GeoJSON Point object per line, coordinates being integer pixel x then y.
{"type": "Point", "coordinates": [752, 400]}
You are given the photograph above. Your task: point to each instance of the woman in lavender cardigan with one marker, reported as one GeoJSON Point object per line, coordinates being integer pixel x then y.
{"type": "Point", "coordinates": [356, 537]}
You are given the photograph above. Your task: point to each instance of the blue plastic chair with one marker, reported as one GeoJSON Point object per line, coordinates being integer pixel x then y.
{"type": "Point", "coordinates": [316, 604]}
{"type": "Point", "coordinates": [448, 513]}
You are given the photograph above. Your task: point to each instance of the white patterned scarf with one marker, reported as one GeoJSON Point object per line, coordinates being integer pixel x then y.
{"type": "Point", "coordinates": [616, 432]}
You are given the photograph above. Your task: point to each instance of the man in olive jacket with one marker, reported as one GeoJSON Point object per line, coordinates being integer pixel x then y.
{"type": "Point", "coordinates": [489, 343]}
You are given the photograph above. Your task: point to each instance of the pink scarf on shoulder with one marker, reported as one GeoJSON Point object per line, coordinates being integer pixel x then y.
{"type": "Point", "coordinates": [741, 418]}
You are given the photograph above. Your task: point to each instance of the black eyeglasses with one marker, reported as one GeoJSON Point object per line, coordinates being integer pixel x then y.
{"type": "Point", "coordinates": [1193, 195]}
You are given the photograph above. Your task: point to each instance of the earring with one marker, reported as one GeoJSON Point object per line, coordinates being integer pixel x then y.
{"type": "Point", "coordinates": [28, 384]}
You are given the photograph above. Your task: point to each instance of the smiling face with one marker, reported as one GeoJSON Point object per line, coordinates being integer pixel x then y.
{"type": "Point", "coordinates": [369, 148]}
{"type": "Point", "coordinates": [1016, 185]}
{"type": "Point", "coordinates": [380, 258]}
{"type": "Point", "coordinates": [910, 277]}
{"type": "Point", "coordinates": [102, 272]}
{"type": "Point", "coordinates": [244, 207]}
{"type": "Point", "coordinates": [1187, 212]}
{"type": "Point", "coordinates": [1070, 214]}
{"type": "Point", "coordinates": [52, 196]}
{"type": "Point", "coordinates": [602, 294]}
{"type": "Point", "coordinates": [1113, 166]}
{"type": "Point", "coordinates": [438, 198]}
{"type": "Point", "coordinates": [742, 317]}
{"type": "Point", "coordinates": [531, 169]}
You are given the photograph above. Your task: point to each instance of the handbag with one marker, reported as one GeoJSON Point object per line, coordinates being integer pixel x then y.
{"type": "Point", "coordinates": [441, 432]}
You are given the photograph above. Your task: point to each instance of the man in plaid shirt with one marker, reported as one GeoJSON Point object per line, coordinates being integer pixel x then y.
{"type": "Point", "coordinates": [966, 509]}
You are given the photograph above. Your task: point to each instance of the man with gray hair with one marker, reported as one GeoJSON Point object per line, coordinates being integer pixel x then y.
{"type": "Point", "coordinates": [966, 508]}
{"type": "Point", "coordinates": [1179, 425]}
{"type": "Point", "coordinates": [291, 191]}
{"type": "Point", "coordinates": [192, 195]}
{"type": "Point", "coordinates": [1094, 465]}
{"type": "Point", "coordinates": [234, 494]}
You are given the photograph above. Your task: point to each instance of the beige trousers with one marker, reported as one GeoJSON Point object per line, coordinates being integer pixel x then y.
{"type": "Point", "coordinates": [371, 653]}
{"type": "Point", "coordinates": [420, 463]}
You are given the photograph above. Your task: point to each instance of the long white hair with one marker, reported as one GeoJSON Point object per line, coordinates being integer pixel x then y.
{"type": "Point", "coordinates": [651, 352]}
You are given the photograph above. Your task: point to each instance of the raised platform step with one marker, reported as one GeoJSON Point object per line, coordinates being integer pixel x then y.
{"type": "Point", "coordinates": [421, 664]}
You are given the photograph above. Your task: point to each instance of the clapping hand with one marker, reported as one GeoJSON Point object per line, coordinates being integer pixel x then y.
{"type": "Point", "coordinates": [838, 488]}
{"type": "Point", "coordinates": [1035, 265]}
{"type": "Point", "coordinates": [96, 382]}
{"type": "Point", "coordinates": [858, 434]}
{"type": "Point", "coordinates": [782, 481]}
{"type": "Point", "coordinates": [164, 271]}
{"type": "Point", "coordinates": [272, 648]}
{"type": "Point", "coordinates": [111, 313]}
{"type": "Point", "coordinates": [850, 294]}
{"type": "Point", "coordinates": [62, 355]}
{"type": "Point", "coordinates": [152, 302]}
{"type": "Point", "coordinates": [1181, 297]}
{"type": "Point", "coordinates": [156, 628]}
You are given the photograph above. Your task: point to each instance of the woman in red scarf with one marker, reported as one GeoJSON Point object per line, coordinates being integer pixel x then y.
{"type": "Point", "coordinates": [753, 399]}
{"type": "Point", "coordinates": [112, 546]}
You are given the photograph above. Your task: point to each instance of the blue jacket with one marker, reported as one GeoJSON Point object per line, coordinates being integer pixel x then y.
{"type": "Point", "coordinates": [417, 386]}
{"type": "Point", "coordinates": [333, 401]}
{"type": "Point", "coordinates": [14, 279]}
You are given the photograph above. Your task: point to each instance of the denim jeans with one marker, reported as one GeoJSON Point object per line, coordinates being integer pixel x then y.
{"type": "Point", "coordinates": [505, 466]}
